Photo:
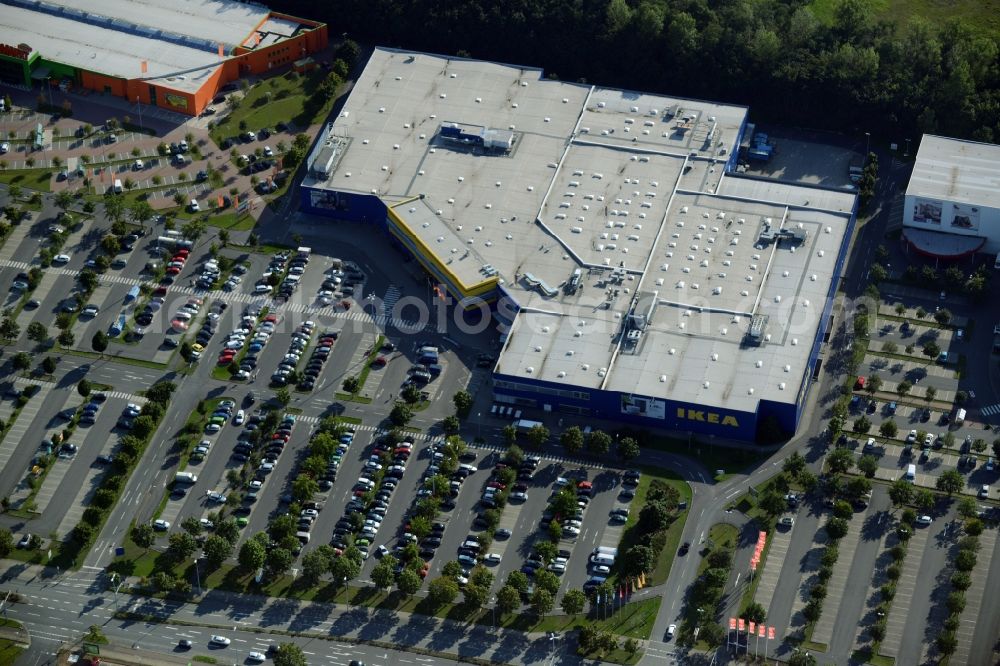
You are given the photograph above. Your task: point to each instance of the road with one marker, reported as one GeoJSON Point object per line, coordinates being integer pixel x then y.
{"type": "Point", "coordinates": [60, 609]}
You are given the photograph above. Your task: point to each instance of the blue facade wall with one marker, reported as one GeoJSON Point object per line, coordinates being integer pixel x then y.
{"type": "Point", "coordinates": [824, 324]}
{"type": "Point", "coordinates": [631, 409]}
{"type": "Point", "coordinates": [348, 206]}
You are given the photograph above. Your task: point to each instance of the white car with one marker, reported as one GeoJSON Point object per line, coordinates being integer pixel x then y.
{"type": "Point", "coordinates": [263, 289]}
{"type": "Point", "coordinates": [219, 640]}
{"type": "Point", "coordinates": [256, 657]}
{"type": "Point", "coordinates": [217, 497]}
{"type": "Point", "coordinates": [161, 525]}
{"type": "Point", "coordinates": [602, 569]}
{"type": "Point", "coordinates": [571, 531]}
{"type": "Point", "coordinates": [60, 259]}
{"type": "Point", "coordinates": [206, 524]}
{"type": "Point", "coordinates": [268, 152]}
{"type": "Point", "coordinates": [492, 558]}
{"type": "Point", "coordinates": [193, 206]}
{"type": "Point", "coordinates": [924, 520]}
{"type": "Point", "coordinates": [671, 630]}
{"type": "Point", "coordinates": [240, 416]}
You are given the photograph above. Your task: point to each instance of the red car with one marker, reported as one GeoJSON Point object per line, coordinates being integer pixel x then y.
{"type": "Point", "coordinates": [379, 362]}
{"type": "Point", "coordinates": [273, 318]}
{"type": "Point", "coordinates": [859, 384]}
{"type": "Point", "coordinates": [183, 252]}
{"type": "Point", "coordinates": [173, 270]}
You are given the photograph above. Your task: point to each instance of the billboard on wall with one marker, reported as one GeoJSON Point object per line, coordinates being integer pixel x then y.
{"type": "Point", "coordinates": [927, 211]}
{"type": "Point", "coordinates": [647, 407]}
{"type": "Point", "coordinates": [965, 216]}
{"type": "Point", "coordinates": [176, 101]}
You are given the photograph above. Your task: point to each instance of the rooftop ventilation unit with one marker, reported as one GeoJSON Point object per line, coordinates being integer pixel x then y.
{"type": "Point", "coordinates": [756, 335]}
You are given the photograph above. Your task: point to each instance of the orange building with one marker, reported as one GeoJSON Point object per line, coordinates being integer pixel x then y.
{"type": "Point", "coordinates": [174, 54]}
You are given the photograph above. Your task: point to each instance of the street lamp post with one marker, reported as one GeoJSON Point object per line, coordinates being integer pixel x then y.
{"type": "Point", "coordinates": [553, 637]}
{"type": "Point", "coordinates": [493, 607]}
{"type": "Point", "coordinates": [868, 143]}
{"type": "Point", "coordinates": [197, 575]}
{"type": "Point", "coordinates": [479, 426]}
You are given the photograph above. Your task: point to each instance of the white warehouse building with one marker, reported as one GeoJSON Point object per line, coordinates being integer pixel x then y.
{"type": "Point", "coordinates": [952, 205]}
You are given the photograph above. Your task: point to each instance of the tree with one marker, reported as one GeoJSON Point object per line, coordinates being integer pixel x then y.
{"type": "Point", "coordinates": [868, 465]}
{"type": "Point", "coordinates": [755, 612]}
{"type": "Point", "coordinates": [836, 528]}
{"type": "Point", "coordinates": [66, 338]}
{"type": "Point", "coordinates": [653, 517]}
{"type": "Point", "coordinates": [450, 424]}
{"type": "Point", "coordinates": [942, 316]}
{"type": "Point", "coordinates": [639, 559]}
{"type": "Point", "coordinates": [572, 439]}
{"type": "Point", "coordinates": [37, 331]}
{"type": "Point", "coordinates": [628, 448]}
{"type": "Point", "coordinates": [931, 349]}
{"type": "Point", "coordinates": [401, 414]}
{"type": "Point", "coordinates": [508, 600]}
{"type": "Point", "coordinates": [304, 488]}
{"type": "Point", "coordinates": [347, 566]}
{"type": "Point", "coordinates": [509, 434]}
{"type": "Point", "coordinates": [217, 550]}
{"type": "Point", "coordinates": [573, 602]}
{"type": "Point", "coordinates": [140, 212]}
{"type": "Point", "coordinates": [966, 507]}
{"type": "Point", "coordinates": [929, 393]}
{"type": "Point", "coordinates": [599, 443]}
{"type": "Point", "coordinates": [278, 561]}
{"type": "Point", "coordinates": [538, 435]}
{"type": "Point", "coordinates": [542, 602]}
{"type": "Point", "coordinates": [950, 481]}
{"type": "Point", "coordinates": [463, 403]}
{"type": "Point", "coordinates": [352, 384]}
{"type": "Point", "coordinates": [290, 654]}
{"type": "Point", "coordinates": [252, 555]}
{"type": "Point", "coordinates": [182, 546]}
{"type": "Point", "coordinates": [923, 499]}
{"type": "Point", "coordinates": [143, 535]}
{"type": "Point", "coordinates": [874, 385]}
{"type": "Point", "coordinates": [548, 581]}
{"type": "Point", "coordinates": [794, 464]}
{"type": "Point", "coordinates": [900, 492]}
{"type": "Point", "coordinates": [442, 591]}
{"type": "Point", "coordinates": [192, 526]}
{"type": "Point", "coordinates": [903, 388]}
{"type": "Point", "coordinates": [384, 574]}
{"type": "Point", "coordinates": [409, 582]}
{"type": "Point", "coordinates": [283, 396]}
{"type": "Point", "coordinates": [9, 329]}
{"type": "Point", "coordinates": [857, 488]}
{"type": "Point", "coordinates": [772, 503]}
{"type": "Point", "coordinates": [979, 445]}
{"type": "Point", "coordinates": [840, 461]}
{"type": "Point", "coordinates": [862, 425]}
{"type": "Point", "coordinates": [801, 658]}
{"type": "Point", "coordinates": [315, 563]}
{"type": "Point", "coordinates": [193, 230]}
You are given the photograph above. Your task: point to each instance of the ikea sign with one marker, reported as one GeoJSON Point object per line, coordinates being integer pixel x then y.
{"type": "Point", "coordinates": [704, 416]}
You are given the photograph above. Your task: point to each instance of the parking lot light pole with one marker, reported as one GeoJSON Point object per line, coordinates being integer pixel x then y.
{"type": "Point", "coordinates": [197, 575]}
{"type": "Point", "coordinates": [868, 143]}
{"type": "Point", "coordinates": [493, 607]}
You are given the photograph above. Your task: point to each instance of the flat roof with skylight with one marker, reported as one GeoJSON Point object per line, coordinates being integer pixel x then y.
{"type": "Point", "coordinates": [598, 206]}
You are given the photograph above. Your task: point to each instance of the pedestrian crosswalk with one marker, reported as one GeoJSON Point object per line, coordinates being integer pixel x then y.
{"type": "Point", "coordinates": [990, 410]}
{"type": "Point", "coordinates": [392, 295]}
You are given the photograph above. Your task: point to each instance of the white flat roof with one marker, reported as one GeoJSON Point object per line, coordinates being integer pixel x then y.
{"type": "Point", "coordinates": [956, 170]}
{"type": "Point", "coordinates": [637, 210]}
{"type": "Point", "coordinates": [107, 51]}
{"type": "Point", "coordinates": [214, 21]}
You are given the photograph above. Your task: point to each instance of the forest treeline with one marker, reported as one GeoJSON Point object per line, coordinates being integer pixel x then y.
{"type": "Point", "coordinates": [857, 74]}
